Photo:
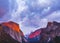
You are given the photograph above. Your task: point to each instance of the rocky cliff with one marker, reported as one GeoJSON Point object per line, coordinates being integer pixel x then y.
{"type": "Point", "coordinates": [10, 33]}
{"type": "Point", "coordinates": [47, 34]}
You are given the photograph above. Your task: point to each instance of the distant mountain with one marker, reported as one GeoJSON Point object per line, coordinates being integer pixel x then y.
{"type": "Point", "coordinates": [45, 35]}
{"type": "Point", "coordinates": [10, 33]}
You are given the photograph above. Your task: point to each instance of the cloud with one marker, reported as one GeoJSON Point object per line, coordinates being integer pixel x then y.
{"type": "Point", "coordinates": [20, 7]}
{"type": "Point", "coordinates": [32, 14]}
{"type": "Point", "coordinates": [44, 2]}
{"type": "Point", "coordinates": [37, 16]}
{"type": "Point", "coordinates": [53, 16]}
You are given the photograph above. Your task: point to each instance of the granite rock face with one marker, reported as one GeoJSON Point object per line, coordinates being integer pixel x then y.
{"type": "Point", "coordinates": [10, 33]}
{"type": "Point", "coordinates": [49, 34]}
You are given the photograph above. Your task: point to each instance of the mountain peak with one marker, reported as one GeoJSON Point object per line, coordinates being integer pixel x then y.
{"type": "Point", "coordinates": [12, 31]}
{"type": "Point", "coordinates": [12, 25]}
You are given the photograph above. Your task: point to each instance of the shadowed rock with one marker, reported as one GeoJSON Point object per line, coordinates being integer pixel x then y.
{"type": "Point", "coordinates": [46, 35]}
{"type": "Point", "coordinates": [10, 33]}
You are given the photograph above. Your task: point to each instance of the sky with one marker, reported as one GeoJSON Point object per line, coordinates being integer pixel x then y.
{"type": "Point", "coordinates": [30, 14]}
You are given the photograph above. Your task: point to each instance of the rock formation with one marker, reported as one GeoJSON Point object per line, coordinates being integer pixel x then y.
{"type": "Point", "coordinates": [10, 33]}
{"type": "Point", "coordinates": [46, 35]}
